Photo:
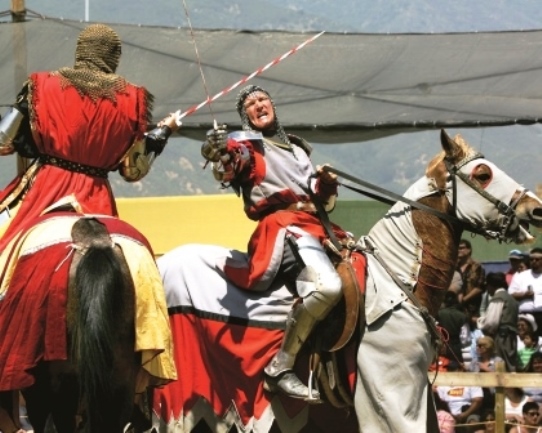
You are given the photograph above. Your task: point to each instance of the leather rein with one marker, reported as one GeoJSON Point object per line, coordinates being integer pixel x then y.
{"type": "Point", "coordinates": [390, 198]}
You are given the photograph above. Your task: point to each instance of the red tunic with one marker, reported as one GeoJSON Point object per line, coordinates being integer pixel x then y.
{"type": "Point", "coordinates": [77, 129]}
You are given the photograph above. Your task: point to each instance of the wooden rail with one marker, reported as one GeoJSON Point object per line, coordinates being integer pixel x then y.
{"type": "Point", "coordinates": [499, 380]}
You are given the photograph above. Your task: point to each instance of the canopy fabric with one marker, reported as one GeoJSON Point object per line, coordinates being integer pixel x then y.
{"type": "Point", "coordinates": [339, 88]}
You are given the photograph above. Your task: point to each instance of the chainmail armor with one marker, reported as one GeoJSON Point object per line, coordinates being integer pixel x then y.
{"type": "Point", "coordinates": [278, 130]}
{"type": "Point", "coordinates": [97, 57]}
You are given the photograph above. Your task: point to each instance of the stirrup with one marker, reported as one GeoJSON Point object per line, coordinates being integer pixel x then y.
{"type": "Point", "coordinates": [288, 383]}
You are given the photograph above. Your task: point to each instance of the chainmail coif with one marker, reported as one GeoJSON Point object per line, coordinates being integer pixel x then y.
{"type": "Point", "coordinates": [97, 56]}
{"type": "Point", "coordinates": [246, 124]}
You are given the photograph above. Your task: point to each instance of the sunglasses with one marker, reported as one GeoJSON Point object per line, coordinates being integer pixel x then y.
{"type": "Point", "coordinates": [481, 345]}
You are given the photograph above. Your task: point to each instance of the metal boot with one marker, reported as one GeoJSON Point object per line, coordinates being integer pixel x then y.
{"type": "Point", "coordinates": [279, 375]}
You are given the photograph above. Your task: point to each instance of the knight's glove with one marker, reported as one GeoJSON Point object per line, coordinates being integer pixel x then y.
{"type": "Point", "coordinates": [157, 138]}
{"type": "Point", "coordinates": [215, 144]}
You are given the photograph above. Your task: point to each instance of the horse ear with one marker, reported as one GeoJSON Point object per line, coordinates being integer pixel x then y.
{"type": "Point", "coordinates": [450, 147]}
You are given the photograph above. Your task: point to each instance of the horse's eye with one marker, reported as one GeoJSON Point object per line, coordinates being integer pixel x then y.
{"type": "Point", "coordinates": [482, 174]}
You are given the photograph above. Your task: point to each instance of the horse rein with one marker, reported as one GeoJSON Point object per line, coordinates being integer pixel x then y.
{"type": "Point", "coordinates": [390, 198]}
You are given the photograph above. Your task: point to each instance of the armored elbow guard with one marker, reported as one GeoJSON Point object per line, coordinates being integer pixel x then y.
{"type": "Point", "coordinates": [9, 127]}
{"type": "Point", "coordinates": [137, 163]}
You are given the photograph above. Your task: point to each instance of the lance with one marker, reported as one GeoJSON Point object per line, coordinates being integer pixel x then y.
{"type": "Point", "coordinates": [258, 71]}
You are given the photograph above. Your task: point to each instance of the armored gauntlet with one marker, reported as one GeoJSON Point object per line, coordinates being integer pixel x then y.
{"type": "Point", "coordinates": [215, 144]}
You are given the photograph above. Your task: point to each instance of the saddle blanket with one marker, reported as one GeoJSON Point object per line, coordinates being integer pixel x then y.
{"type": "Point", "coordinates": [224, 338]}
{"type": "Point", "coordinates": [33, 296]}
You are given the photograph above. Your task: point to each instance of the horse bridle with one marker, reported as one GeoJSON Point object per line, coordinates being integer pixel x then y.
{"type": "Point", "coordinates": [507, 210]}
{"type": "Point", "coordinates": [388, 197]}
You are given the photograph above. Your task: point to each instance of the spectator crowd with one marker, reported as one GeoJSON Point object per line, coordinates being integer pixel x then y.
{"type": "Point", "coordinates": [486, 318]}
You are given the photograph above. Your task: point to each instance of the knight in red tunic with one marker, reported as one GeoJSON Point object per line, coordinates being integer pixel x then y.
{"type": "Point", "coordinates": [273, 172]}
{"type": "Point", "coordinates": [71, 127]}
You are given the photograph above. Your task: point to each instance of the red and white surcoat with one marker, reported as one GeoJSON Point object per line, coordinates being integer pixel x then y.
{"type": "Point", "coordinates": [272, 180]}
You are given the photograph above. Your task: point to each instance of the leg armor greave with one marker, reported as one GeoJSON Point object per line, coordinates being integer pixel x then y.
{"type": "Point", "coordinates": [318, 284]}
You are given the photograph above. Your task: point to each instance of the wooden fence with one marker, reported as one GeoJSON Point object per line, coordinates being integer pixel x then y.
{"type": "Point", "coordinates": [499, 380]}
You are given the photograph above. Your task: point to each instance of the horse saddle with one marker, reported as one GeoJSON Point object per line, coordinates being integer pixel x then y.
{"type": "Point", "coordinates": [333, 337]}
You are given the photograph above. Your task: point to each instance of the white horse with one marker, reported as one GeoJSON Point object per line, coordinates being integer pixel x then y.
{"type": "Point", "coordinates": [225, 336]}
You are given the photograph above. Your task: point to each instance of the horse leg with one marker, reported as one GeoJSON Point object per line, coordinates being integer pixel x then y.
{"type": "Point", "coordinates": [9, 412]}
{"type": "Point", "coordinates": [65, 399]}
{"type": "Point", "coordinates": [38, 398]}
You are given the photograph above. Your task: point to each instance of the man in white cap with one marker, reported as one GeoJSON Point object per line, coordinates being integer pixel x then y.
{"type": "Point", "coordinates": [526, 287]}
{"type": "Point", "coordinates": [517, 264]}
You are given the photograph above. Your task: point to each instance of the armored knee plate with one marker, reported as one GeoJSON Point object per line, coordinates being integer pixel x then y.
{"type": "Point", "coordinates": [318, 284]}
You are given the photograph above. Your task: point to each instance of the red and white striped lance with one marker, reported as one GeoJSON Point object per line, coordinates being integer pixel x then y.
{"type": "Point", "coordinates": [195, 108]}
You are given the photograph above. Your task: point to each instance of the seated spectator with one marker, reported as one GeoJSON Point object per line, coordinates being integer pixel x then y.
{"type": "Point", "coordinates": [517, 262]}
{"type": "Point", "coordinates": [534, 366]}
{"type": "Point", "coordinates": [514, 399]}
{"type": "Point", "coordinates": [486, 358]}
{"type": "Point", "coordinates": [451, 317]}
{"type": "Point", "coordinates": [526, 323]}
{"type": "Point", "coordinates": [474, 423]}
{"type": "Point", "coordinates": [462, 400]}
{"type": "Point", "coordinates": [530, 342]}
{"type": "Point", "coordinates": [530, 419]}
{"type": "Point", "coordinates": [484, 363]}
{"type": "Point", "coordinates": [469, 351]}
{"type": "Point", "coordinates": [488, 417]}
{"type": "Point", "coordinates": [446, 421]}
{"type": "Point", "coordinates": [526, 287]}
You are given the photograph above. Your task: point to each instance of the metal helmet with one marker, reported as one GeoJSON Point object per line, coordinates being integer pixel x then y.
{"type": "Point", "coordinates": [246, 124]}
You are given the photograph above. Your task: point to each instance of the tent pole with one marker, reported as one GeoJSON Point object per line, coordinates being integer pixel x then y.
{"type": "Point", "coordinates": [18, 11]}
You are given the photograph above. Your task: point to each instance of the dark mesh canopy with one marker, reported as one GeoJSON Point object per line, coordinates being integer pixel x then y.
{"type": "Point", "coordinates": [340, 88]}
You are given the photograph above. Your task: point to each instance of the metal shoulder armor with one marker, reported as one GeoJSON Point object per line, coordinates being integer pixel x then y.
{"type": "Point", "coordinates": [9, 127]}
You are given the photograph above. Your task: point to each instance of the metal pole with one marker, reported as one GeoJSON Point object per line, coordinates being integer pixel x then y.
{"type": "Point", "coordinates": [87, 10]}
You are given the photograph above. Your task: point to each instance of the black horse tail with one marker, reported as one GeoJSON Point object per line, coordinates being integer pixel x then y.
{"type": "Point", "coordinates": [98, 282]}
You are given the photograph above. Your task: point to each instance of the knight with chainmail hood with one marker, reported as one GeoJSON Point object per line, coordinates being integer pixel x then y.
{"type": "Point", "coordinates": [69, 129]}
{"type": "Point", "coordinates": [272, 170]}
{"type": "Point", "coordinates": [73, 126]}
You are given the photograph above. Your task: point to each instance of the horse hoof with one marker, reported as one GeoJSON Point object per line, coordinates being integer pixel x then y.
{"type": "Point", "coordinates": [288, 383]}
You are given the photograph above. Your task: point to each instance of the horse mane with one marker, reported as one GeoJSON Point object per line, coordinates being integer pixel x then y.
{"type": "Point", "coordinates": [437, 170]}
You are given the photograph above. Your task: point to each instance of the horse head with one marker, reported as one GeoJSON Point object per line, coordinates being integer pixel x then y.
{"type": "Point", "coordinates": [482, 196]}
{"type": "Point", "coordinates": [476, 196]}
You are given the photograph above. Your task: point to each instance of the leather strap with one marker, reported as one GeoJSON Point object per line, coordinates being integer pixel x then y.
{"type": "Point", "coordinates": [74, 166]}
{"type": "Point", "coordinates": [324, 218]}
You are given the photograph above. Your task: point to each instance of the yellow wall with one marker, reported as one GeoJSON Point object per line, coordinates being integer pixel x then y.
{"type": "Point", "coordinates": [168, 222]}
